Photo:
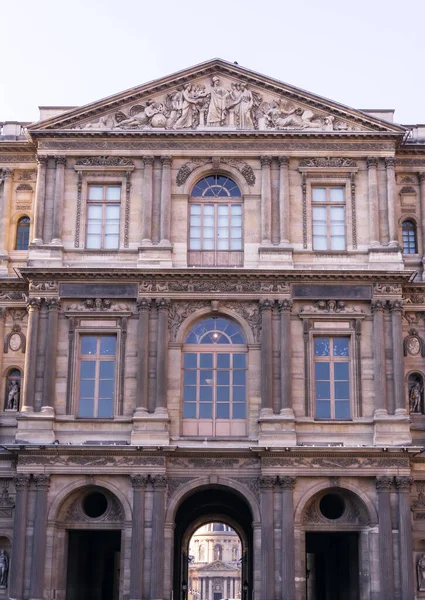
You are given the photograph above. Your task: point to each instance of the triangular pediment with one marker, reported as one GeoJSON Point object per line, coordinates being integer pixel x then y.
{"type": "Point", "coordinates": [216, 96]}
{"type": "Point", "coordinates": [217, 565]}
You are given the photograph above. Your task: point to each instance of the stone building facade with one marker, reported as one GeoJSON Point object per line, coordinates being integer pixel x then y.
{"type": "Point", "coordinates": [212, 310]}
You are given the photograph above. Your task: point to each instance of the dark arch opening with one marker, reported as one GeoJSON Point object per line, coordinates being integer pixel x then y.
{"type": "Point", "coordinates": [212, 503]}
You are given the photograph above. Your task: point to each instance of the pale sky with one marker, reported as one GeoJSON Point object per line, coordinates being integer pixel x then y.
{"type": "Point", "coordinates": [365, 54]}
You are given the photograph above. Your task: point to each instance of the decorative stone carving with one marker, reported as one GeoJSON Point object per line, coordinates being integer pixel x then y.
{"type": "Point", "coordinates": [403, 484]}
{"type": "Point", "coordinates": [252, 483]}
{"type": "Point", "coordinates": [250, 312]}
{"type": "Point", "coordinates": [12, 295]}
{"type": "Point", "coordinates": [335, 462]}
{"type": "Point", "coordinates": [414, 299]}
{"type": "Point", "coordinates": [174, 483]}
{"type": "Point", "coordinates": [178, 312]}
{"type": "Point", "coordinates": [353, 514]}
{"type": "Point", "coordinates": [244, 168]}
{"type": "Point", "coordinates": [42, 481]}
{"type": "Point", "coordinates": [158, 482]}
{"type": "Point", "coordinates": [15, 340]}
{"type": "Point", "coordinates": [17, 314]}
{"type": "Point", "coordinates": [24, 187]}
{"type": "Point", "coordinates": [25, 175]}
{"type": "Point", "coordinates": [104, 161]}
{"type": "Point", "coordinates": [330, 306]}
{"type": "Point", "coordinates": [413, 344]}
{"type": "Point", "coordinates": [94, 461]}
{"type": "Point", "coordinates": [414, 318]}
{"type": "Point", "coordinates": [139, 481]}
{"type": "Point", "coordinates": [152, 286]}
{"type": "Point", "coordinates": [98, 305]}
{"type": "Point", "coordinates": [113, 513]}
{"type": "Point", "coordinates": [267, 482]}
{"type": "Point", "coordinates": [21, 481]}
{"type": "Point", "coordinates": [384, 483]}
{"type": "Point", "coordinates": [286, 482]}
{"type": "Point", "coordinates": [387, 289]}
{"type": "Point", "coordinates": [328, 162]}
{"type": "Point", "coordinates": [408, 189]}
{"type": "Point", "coordinates": [43, 286]}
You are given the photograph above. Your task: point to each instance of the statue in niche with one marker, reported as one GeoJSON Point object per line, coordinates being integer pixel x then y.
{"type": "Point", "coordinates": [420, 572]}
{"type": "Point", "coordinates": [4, 569]}
{"type": "Point", "coordinates": [415, 397]}
{"type": "Point", "coordinates": [13, 395]}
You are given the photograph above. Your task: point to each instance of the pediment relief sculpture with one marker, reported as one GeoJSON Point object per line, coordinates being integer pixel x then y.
{"type": "Point", "coordinates": [219, 103]}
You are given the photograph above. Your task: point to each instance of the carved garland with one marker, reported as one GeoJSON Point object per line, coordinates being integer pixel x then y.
{"type": "Point", "coordinates": [104, 161]}
{"type": "Point", "coordinates": [190, 166]}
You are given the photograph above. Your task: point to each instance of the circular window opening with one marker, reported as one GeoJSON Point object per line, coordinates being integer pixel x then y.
{"type": "Point", "coordinates": [95, 505]}
{"type": "Point", "coordinates": [332, 506]}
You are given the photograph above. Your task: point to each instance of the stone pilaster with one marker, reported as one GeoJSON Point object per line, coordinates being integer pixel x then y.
{"type": "Point", "coordinates": [407, 589]}
{"type": "Point", "coordinates": [386, 559]}
{"type": "Point", "coordinates": [266, 200]}
{"type": "Point", "coordinates": [380, 387]}
{"type": "Point", "coordinates": [267, 486]}
{"type": "Point", "coordinates": [42, 483]}
{"type": "Point", "coordinates": [396, 309]}
{"type": "Point", "coordinates": [58, 199]}
{"type": "Point", "coordinates": [421, 177]}
{"type": "Point", "coordinates": [285, 307]}
{"type": "Point", "coordinates": [5, 208]}
{"type": "Point", "coordinates": [16, 580]}
{"type": "Point", "coordinates": [163, 306]}
{"type": "Point", "coordinates": [139, 483]}
{"type": "Point", "coordinates": [144, 307]}
{"type": "Point", "coordinates": [165, 201]}
{"type": "Point", "coordinates": [3, 312]}
{"type": "Point", "coordinates": [266, 307]}
{"type": "Point", "coordinates": [284, 204]}
{"type": "Point", "coordinates": [147, 201]}
{"type": "Point", "coordinates": [159, 483]}
{"type": "Point", "coordinates": [40, 199]}
{"type": "Point", "coordinates": [287, 485]}
{"type": "Point", "coordinates": [372, 164]}
{"type": "Point", "coordinates": [53, 307]}
{"type": "Point", "coordinates": [391, 201]}
{"type": "Point", "coordinates": [28, 391]}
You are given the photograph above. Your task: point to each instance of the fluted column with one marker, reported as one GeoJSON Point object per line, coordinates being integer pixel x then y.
{"type": "Point", "coordinates": [285, 307]}
{"type": "Point", "coordinates": [267, 486]}
{"type": "Point", "coordinates": [372, 179]}
{"type": "Point", "coordinates": [380, 386]}
{"type": "Point", "coordinates": [266, 200]}
{"type": "Point", "coordinates": [5, 207]}
{"type": "Point", "coordinates": [159, 483]}
{"type": "Point", "coordinates": [53, 306]}
{"type": "Point", "coordinates": [16, 579]}
{"type": "Point", "coordinates": [40, 199]}
{"type": "Point", "coordinates": [58, 199]}
{"type": "Point", "coordinates": [266, 308]}
{"type": "Point", "coordinates": [139, 483]}
{"type": "Point", "coordinates": [287, 485]}
{"type": "Point", "coordinates": [165, 201]}
{"type": "Point", "coordinates": [284, 200]}
{"type": "Point", "coordinates": [163, 305]}
{"type": "Point", "coordinates": [42, 483]}
{"type": "Point", "coordinates": [396, 309]}
{"type": "Point", "coordinates": [144, 307]}
{"type": "Point", "coordinates": [391, 200]}
{"type": "Point", "coordinates": [407, 590]}
{"type": "Point", "coordinates": [147, 201]}
{"type": "Point", "coordinates": [386, 564]}
{"type": "Point", "coordinates": [30, 370]}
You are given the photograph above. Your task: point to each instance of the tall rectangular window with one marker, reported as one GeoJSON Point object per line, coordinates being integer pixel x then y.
{"type": "Point", "coordinates": [96, 391]}
{"type": "Point", "coordinates": [103, 217]}
{"type": "Point", "coordinates": [328, 218]}
{"type": "Point", "coordinates": [332, 377]}
{"type": "Point", "coordinates": [215, 227]}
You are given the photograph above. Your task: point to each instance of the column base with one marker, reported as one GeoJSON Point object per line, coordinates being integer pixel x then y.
{"type": "Point", "coordinates": [392, 430]}
{"type": "Point", "coordinates": [276, 256]}
{"type": "Point", "coordinates": [45, 255]}
{"type": "Point", "coordinates": [155, 256]}
{"type": "Point", "coordinates": [386, 257]}
{"type": "Point", "coordinates": [36, 427]}
{"type": "Point", "coordinates": [151, 429]}
{"type": "Point", "coordinates": [277, 430]}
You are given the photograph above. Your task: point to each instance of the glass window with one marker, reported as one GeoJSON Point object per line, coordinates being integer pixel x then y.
{"type": "Point", "coordinates": [214, 378]}
{"type": "Point", "coordinates": [328, 218]}
{"type": "Point", "coordinates": [22, 234]}
{"type": "Point", "coordinates": [103, 217]}
{"type": "Point", "coordinates": [409, 237]}
{"type": "Point", "coordinates": [331, 377]}
{"type": "Point", "coordinates": [96, 382]}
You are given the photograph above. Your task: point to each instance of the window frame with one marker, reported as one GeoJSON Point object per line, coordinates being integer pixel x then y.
{"type": "Point", "coordinates": [413, 231]}
{"type": "Point", "coordinates": [332, 360]}
{"type": "Point", "coordinates": [25, 216]}
{"type": "Point", "coordinates": [328, 204]}
{"type": "Point", "coordinates": [91, 181]}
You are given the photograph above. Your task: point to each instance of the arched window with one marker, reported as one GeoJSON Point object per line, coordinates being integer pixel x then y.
{"type": "Point", "coordinates": [415, 386]}
{"type": "Point", "coordinates": [214, 379]}
{"type": "Point", "coordinates": [410, 245]}
{"type": "Point", "coordinates": [218, 552]}
{"type": "Point", "coordinates": [215, 223]}
{"type": "Point", "coordinates": [22, 234]}
{"type": "Point", "coordinates": [13, 390]}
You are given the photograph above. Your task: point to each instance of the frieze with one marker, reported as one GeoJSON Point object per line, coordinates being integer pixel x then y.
{"type": "Point", "coordinates": [12, 295]}
{"type": "Point", "coordinates": [414, 298]}
{"type": "Point", "coordinates": [335, 462]}
{"type": "Point", "coordinates": [17, 158]}
{"type": "Point", "coordinates": [204, 463]}
{"type": "Point", "coordinates": [331, 306]}
{"type": "Point", "coordinates": [104, 161]}
{"type": "Point", "coordinates": [93, 461]}
{"type": "Point", "coordinates": [387, 289]}
{"type": "Point", "coordinates": [190, 166]}
{"type": "Point", "coordinates": [98, 305]}
{"type": "Point", "coordinates": [328, 162]}
{"type": "Point", "coordinates": [43, 286]}
{"type": "Point", "coordinates": [214, 285]}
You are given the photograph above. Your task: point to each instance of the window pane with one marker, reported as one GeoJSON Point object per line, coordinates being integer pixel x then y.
{"type": "Point", "coordinates": [223, 221]}
{"type": "Point", "coordinates": [189, 393]}
{"type": "Point", "coordinates": [208, 245]}
{"type": "Point", "coordinates": [206, 361]}
{"type": "Point", "coordinates": [239, 394]}
{"type": "Point", "coordinates": [222, 411]}
{"type": "Point", "coordinates": [88, 344]}
{"type": "Point", "coordinates": [190, 360]}
{"type": "Point", "coordinates": [236, 209]}
{"type": "Point", "coordinates": [94, 211]}
{"type": "Point", "coordinates": [321, 346]}
{"type": "Point", "coordinates": [342, 410]}
{"type": "Point", "coordinates": [86, 408]}
{"type": "Point", "coordinates": [223, 209]}
{"type": "Point", "coordinates": [107, 369]}
{"type": "Point", "coordinates": [206, 377]}
{"type": "Point", "coordinates": [338, 243]}
{"type": "Point", "coordinates": [337, 213]}
{"type": "Point", "coordinates": [88, 369]}
{"type": "Point", "coordinates": [113, 192]}
{"type": "Point", "coordinates": [106, 388]}
{"type": "Point", "coordinates": [337, 228]}
{"type": "Point", "coordinates": [323, 390]}
{"type": "Point", "coordinates": [322, 371]}
{"type": "Point", "coordinates": [195, 232]}
{"type": "Point", "coordinates": [107, 345]}
{"type": "Point", "coordinates": [319, 194]}
{"type": "Point", "coordinates": [223, 377]}
{"type": "Point", "coordinates": [95, 192]}
{"type": "Point", "coordinates": [106, 409]}
{"type": "Point", "coordinates": [320, 243]}
{"type": "Point", "coordinates": [341, 370]}
{"type": "Point", "coordinates": [208, 209]}
{"type": "Point", "coordinates": [236, 244]}
{"type": "Point", "coordinates": [340, 346]}
{"type": "Point", "coordinates": [205, 411]}
{"type": "Point", "coordinates": [195, 244]}
{"type": "Point", "coordinates": [236, 221]}
{"type": "Point", "coordinates": [112, 211]}
{"type": "Point", "coordinates": [342, 390]}
{"type": "Point", "coordinates": [223, 394]}
{"type": "Point", "coordinates": [93, 242]}
{"type": "Point", "coordinates": [194, 220]}
{"type": "Point", "coordinates": [195, 209]}
{"type": "Point", "coordinates": [205, 393]}
{"type": "Point", "coordinates": [190, 377]}
{"type": "Point", "coordinates": [87, 388]}
{"type": "Point", "coordinates": [223, 361]}
{"type": "Point", "coordinates": [320, 228]}
{"type": "Point", "coordinates": [239, 411]}
{"type": "Point", "coordinates": [323, 409]}
{"type": "Point", "coordinates": [189, 410]}
{"type": "Point", "coordinates": [319, 213]}
{"type": "Point", "coordinates": [94, 227]}
{"type": "Point", "coordinates": [336, 195]}
{"type": "Point", "coordinates": [238, 377]}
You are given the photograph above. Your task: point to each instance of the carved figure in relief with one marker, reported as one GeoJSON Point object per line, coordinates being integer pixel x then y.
{"type": "Point", "coordinates": [4, 569]}
{"type": "Point", "coordinates": [420, 571]}
{"type": "Point", "coordinates": [415, 397]}
{"type": "Point", "coordinates": [217, 110]}
{"type": "Point", "coordinates": [142, 115]}
{"type": "Point", "coordinates": [244, 109]}
{"type": "Point", "coordinates": [13, 396]}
